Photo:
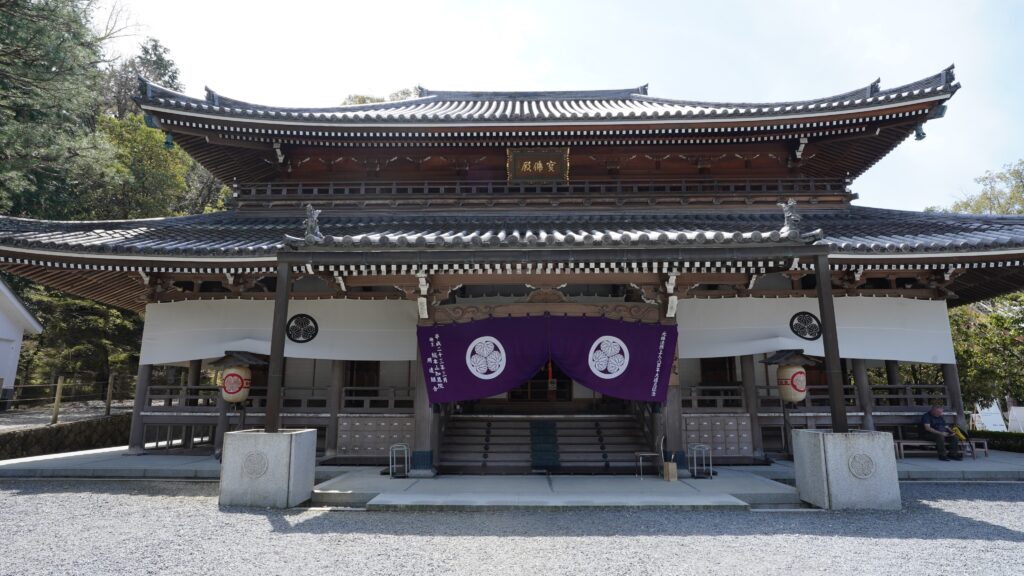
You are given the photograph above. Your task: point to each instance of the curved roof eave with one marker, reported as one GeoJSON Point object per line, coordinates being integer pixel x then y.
{"type": "Point", "coordinates": [626, 106]}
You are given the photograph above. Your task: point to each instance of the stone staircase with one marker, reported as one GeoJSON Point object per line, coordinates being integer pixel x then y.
{"type": "Point", "coordinates": [557, 444]}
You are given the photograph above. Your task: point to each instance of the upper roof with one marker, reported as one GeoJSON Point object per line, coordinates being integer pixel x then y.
{"type": "Point", "coordinates": [631, 104]}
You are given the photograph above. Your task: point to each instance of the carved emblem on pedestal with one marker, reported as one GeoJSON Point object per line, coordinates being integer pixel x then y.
{"type": "Point", "coordinates": [862, 466]}
{"type": "Point", "coordinates": [255, 464]}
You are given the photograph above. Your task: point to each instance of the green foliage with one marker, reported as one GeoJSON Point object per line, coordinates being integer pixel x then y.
{"type": "Point", "coordinates": [988, 336]}
{"type": "Point", "coordinates": [49, 101]}
{"type": "Point", "coordinates": [202, 191]}
{"type": "Point", "coordinates": [79, 337]}
{"type": "Point", "coordinates": [1006, 441]}
{"type": "Point", "coordinates": [73, 147]}
{"type": "Point", "coordinates": [121, 82]}
{"type": "Point", "coordinates": [403, 94]}
{"type": "Point", "coordinates": [151, 180]}
{"type": "Point", "coordinates": [1001, 193]}
{"type": "Point", "coordinates": [988, 349]}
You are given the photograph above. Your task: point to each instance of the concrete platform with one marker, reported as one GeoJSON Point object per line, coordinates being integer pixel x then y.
{"type": "Point", "coordinates": [111, 463]}
{"type": "Point", "coordinates": [362, 486]}
{"type": "Point", "coordinates": [367, 488]}
{"type": "Point", "coordinates": [997, 466]}
{"type": "Point", "coordinates": [119, 463]}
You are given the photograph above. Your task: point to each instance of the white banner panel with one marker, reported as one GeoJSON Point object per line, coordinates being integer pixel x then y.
{"type": "Point", "coordinates": [869, 328]}
{"type": "Point", "coordinates": [348, 329]}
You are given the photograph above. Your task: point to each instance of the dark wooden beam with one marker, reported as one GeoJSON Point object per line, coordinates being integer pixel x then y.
{"type": "Point", "coordinates": [830, 341]}
{"type": "Point", "coordinates": [275, 378]}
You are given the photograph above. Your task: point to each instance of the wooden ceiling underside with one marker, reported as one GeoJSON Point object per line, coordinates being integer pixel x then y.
{"type": "Point", "coordinates": [129, 291]}
{"type": "Point", "coordinates": [124, 290]}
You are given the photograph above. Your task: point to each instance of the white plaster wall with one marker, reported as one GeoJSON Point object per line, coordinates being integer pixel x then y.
{"type": "Point", "coordinates": [10, 349]}
{"type": "Point", "coordinates": [349, 330]}
{"type": "Point", "coordinates": [869, 328]}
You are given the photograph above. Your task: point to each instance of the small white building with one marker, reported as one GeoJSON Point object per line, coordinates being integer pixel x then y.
{"type": "Point", "coordinates": [15, 321]}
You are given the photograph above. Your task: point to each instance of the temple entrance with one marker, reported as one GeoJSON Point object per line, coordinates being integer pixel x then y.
{"type": "Point", "coordinates": [549, 384]}
{"type": "Point", "coordinates": [549, 391]}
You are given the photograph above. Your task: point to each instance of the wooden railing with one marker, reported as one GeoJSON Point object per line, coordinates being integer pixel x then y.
{"type": "Point", "coordinates": [376, 399]}
{"type": "Point", "coordinates": [728, 397]}
{"type": "Point", "coordinates": [817, 398]}
{"type": "Point", "coordinates": [715, 397]}
{"type": "Point", "coordinates": [179, 398]}
{"type": "Point", "coordinates": [903, 396]}
{"type": "Point", "coordinates": [372, 189]}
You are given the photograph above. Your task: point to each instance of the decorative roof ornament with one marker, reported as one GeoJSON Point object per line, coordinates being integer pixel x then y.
{"type": "Point", "coordinates": [791, 227]}
{"type": "Point", "coordinates": [313, 236]}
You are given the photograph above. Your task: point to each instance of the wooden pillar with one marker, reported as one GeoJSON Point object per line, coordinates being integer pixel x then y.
{"type": "Point", "coordinates": [56, 400]}
{"type": "Point", "coordinates": [222, 424]}
{"type": "Point", "coordinates": [424, 429]}
{"type": "Point", "coordinates": [110, 394]}
{"type": "Point", "coordinates": [275, 378]}
{"type": "Point", "coordinates": [334, 406]}
{"type": "Point", "coordinates": [951, 376]}
{"type": "Point", "coordinates": [136, 438]}
{"type": "Point", "coordinates": [892, 372]}
{"type": "Point", "coordinates": [750, 398]}
{"type": "Point", "coordinates": [864, 396]}
{"type": "Point", "coordinates": [672, 414]}
{"type": "Point", "coordinates": [830, 341]}
{"type": "Point", "coordinates": [195, 373]}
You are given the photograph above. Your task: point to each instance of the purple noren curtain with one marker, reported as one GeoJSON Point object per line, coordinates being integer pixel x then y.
{"type": "Point", "coordinates": [489, 357]}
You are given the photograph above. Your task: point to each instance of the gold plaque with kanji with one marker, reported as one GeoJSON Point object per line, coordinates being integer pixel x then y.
{"type": "Point", "coordinates": [538, 164]}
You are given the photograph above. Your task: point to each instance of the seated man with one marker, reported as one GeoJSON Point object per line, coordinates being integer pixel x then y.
{"type": "Point", "coordinates": [935, 427]}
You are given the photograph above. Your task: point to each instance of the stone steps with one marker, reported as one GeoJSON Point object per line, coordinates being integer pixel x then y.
{"type": "Point", "coordinates": [553, 444]}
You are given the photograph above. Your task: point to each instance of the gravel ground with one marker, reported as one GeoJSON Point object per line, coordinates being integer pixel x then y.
{"type": "Point", "coordinates": [134, 527]}
{"type": "Point", "coordinates": [23, 418]}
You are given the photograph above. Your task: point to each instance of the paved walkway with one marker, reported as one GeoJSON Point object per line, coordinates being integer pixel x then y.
{"type": "Point", "coordinates": [116, 462]}
{"type": "Point", "coordinates": [730, 489]}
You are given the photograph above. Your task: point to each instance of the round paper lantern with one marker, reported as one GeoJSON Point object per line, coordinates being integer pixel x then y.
{"type": "Point", "coordinates": [792, 382]}
{"type": "Point", "coordinates": [235, 383]}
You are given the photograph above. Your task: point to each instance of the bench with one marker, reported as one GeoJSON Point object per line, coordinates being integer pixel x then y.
{"type": "Point", "coordinates": [919, 446]}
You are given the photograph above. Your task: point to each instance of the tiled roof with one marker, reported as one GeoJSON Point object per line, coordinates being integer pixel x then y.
{"type": "Point", "coordinates": [571, 106]}
{"type": "Point", "coordinates": [855, 230]}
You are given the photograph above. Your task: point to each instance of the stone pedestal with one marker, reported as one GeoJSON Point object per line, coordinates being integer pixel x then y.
{"type": "Point", "coordinates": [269, 470]}
{"type": "Point", "coordinates": [844, 471]}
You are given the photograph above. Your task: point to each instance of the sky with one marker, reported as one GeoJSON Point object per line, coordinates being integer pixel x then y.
{"type": "Point", "coordinates": [309, 53]}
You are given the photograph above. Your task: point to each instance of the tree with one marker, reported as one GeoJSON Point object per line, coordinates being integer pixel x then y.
{"type": "Point", "coordinates": [80, 337]}
{"type": "Point", "coordinates": [151, 178]}
{"type": "Point", "coordinates": [403, 94]}
{"type": "Point", "coordinates": [121, 82]}
{"type": "Point", "coordinates": [1001, 193]}
{"type": "Point", "coordinates": [202, 191]}
{"type": "Point", "coordinates": [49, 102]}
{"type": "Point", "coordinates": [988, 336]}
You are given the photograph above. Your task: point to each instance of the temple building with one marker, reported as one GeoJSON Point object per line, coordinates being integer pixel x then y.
{"type": "Point", "coordinates": [521, 281]}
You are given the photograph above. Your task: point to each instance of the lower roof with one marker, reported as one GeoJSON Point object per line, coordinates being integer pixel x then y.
{"type": "Point", "coordinates": [111, 261]}
{"type": "Point", "coordinates": [865, 233]}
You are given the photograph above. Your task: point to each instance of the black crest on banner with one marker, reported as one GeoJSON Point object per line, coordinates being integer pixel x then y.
{"type": "Point", "coordinates": [805, 325]}
{"type": "Point", "coordinates": [302, 328]}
